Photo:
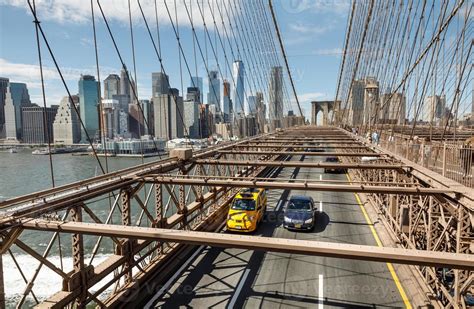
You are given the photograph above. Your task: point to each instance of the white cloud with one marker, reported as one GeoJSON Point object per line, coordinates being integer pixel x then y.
{"type": "Point", "coordinates": [311, 96]}
{"type": "Point", "coordinates": [340, 7]}
{"type": "Point", "coordinates": [30, 73]}
{"type": "Point", "coordinates": [309, 28]}
{"type": "Point", "coordinates": [79, 11]}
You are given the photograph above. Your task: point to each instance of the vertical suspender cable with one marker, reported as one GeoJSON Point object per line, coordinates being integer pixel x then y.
{"type": "Point", "coordinates": [45, 116]}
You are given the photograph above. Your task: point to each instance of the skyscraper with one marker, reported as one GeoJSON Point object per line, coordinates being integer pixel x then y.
{"type": "Point", "coordinates": [176, 114]}
{"type": "Point", "coordinates": [124, 81]}
{"type": "Point", "coordinates": [196, 81]}
{"type": "Point", "coordinates": [15, 98]}
{"type": "Point", "coordinates": [111, 86]}
{"type": "Point", "coordinates": [251, 105]}
{"type": "Point", "coordinates": [193, 93]}
{"type": "Point", "coordinates": [226, 107]}
{"type": "Point", "coordinates": [3, 91]}
{"type": "Point", "coordinates": [214, 94]}
{"type": "Point", "coordinates": [159, 83]}
{"type": "Point", "coordinates": [191, 118]}
{"type": "Point", "coordinates": [239, 99]}
{"type": "Point", "coordinates": [88, 100]}
{"type": "Point", "coordinates": [261, 111]}
{"type": "Point", "coordinates": [169, 114]}
{"type": "Point", "coordinates": [35, 130]}
{"type": "Point", "coordinates": [433, 109]}
{"type": "Point", "coordinates": [66, 126]}
{"type": "Point", "coordinates": [276, 97]}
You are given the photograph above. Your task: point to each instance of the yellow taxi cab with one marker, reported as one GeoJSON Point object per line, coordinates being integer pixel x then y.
{"type": "Point", "coordinates": [247, 210]}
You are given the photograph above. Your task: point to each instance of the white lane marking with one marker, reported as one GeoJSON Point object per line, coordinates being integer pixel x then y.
{"type": "Point", "coordinates": [320, 176]}
{"type": "Point", "coordinates": [279, 204]}
{"type": "Point", "coordinates": [239, 288]}
{"type": "Point", "coordinates": [320, 292]}
{"type": "Point", "coordinates": [320, 206]}
{"type": "Point", "coordinates": [168, 283]}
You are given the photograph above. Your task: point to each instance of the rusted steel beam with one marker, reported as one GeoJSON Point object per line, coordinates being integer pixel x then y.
{"type": "Point", "coordinates": [272, 244]}
{"type": "Point", "coordinates": [288, 145]}
{"type": "Point", "coordinates": [294, 142]}
{"type": "Point", "coordinates": [309, 186]}
{"type": "Point", "coordinates": [302, 164]}
{"type": "Point", "coordinates": [305, 153]}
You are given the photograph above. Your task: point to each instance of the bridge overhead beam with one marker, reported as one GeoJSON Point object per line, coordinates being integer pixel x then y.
{"type": "Point", "coordinates": [302, 153]}
{"type": "Point", "coordinates": [302, 164]}
{"type": "Point", "coordinates": [298, 145]}
{"type": "Point", "coordinates": [309, 186]}
{"type": "Point", "coordinates": [272, 244]}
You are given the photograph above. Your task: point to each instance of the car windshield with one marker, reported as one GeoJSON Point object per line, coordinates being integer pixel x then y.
{"type": "Point", "coordinates": [332, 160]}
{"type": "Point", "coordinates": [240, 204]}
{"type": "Point", "coordinates": [299, 205]}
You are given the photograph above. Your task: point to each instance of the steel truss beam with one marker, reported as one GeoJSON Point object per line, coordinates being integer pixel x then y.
{"type": "Point", "coordinates": [291, 145]}
{"type": "Point", "coordinates": [302, 153]}
{"type": "Point", "coordinates": [302, 164]}
{"type": "Point", "coordinates": [293, 246]}
{"type": "Point", "coordinates": [309, 186]}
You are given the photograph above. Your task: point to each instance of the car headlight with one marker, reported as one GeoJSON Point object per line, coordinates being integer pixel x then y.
{"type": "Point", "coordinates": [309, 221]}
{"type": "Point", "coordinates": [251, 218]}
{"type": "Point", "coordinates": [287, 220]}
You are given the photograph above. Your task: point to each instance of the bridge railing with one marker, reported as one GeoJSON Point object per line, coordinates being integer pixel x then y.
{"type": "Point", "coordinates": [452, 160]}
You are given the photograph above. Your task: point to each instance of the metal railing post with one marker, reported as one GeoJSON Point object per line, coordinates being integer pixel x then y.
{"type": "Point", "coordinates": [444, 159]}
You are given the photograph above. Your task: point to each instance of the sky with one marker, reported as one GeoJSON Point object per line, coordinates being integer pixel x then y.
{"type": "Point", "coordinates": [312, 32]}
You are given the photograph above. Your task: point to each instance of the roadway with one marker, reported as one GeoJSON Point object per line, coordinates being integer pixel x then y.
{"type": "Point", "coordinates": [234, 278]}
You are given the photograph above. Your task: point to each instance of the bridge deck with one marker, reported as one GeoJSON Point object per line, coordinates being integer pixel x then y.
{"type": "Point", "coordinates": [216, 277]}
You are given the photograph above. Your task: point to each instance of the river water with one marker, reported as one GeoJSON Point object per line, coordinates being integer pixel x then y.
{"type": "Point", "coordinates": [22, 173]}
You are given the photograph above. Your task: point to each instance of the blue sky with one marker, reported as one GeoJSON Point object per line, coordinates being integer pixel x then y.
{"type": "Point", "coordinates": [312, 30]}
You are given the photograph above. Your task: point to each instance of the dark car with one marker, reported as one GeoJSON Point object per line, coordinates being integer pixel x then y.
{"type": "Point", "coordinates": [299, 213]}
{"type": "Point", "coordinates": [339, 170]}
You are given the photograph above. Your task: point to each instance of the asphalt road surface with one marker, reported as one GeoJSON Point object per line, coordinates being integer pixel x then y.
{"type": "Point", "coordinates": [235, 278]}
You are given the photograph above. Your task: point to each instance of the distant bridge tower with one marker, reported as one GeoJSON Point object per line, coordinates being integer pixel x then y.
{"type": "Point", "coordinates": [325, 107]}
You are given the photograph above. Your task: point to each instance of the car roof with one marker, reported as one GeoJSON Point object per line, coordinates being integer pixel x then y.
{"type": "Point", "coordinates": [300, 197]}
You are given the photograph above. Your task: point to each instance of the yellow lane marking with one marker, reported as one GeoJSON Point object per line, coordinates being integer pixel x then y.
{"type": "Point", "coordinates": [379, 243]}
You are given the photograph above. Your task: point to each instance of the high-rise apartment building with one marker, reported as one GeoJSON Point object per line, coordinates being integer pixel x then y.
{"type": "Point", "coordinates": [275, 105]}
{"type": "Point", "coordinates": [191, 118]}
{"type": "Point", "coordinates": [239, 91]}
{"type": "Point", "coordinates": [159, 83]}
{"type": "Point", "coordinates": [196, 81]}
{"type": "Point", "coordinates": [15, 98]}
{"type": "Point", "coordinates": [214, 94]}
{"type": "Point", "coordinates": [433, 109]}
{"type": "Point", "coordinates": [169, 115]}
{"type": "Point", "coordinates": [35, 129]}
{"type": "Point", "coordinates": [226, 107]}
{"type": "Point", "coordinates": [111, 86]}
{"type": "Point", "coordinates": [66, 125]}
{"type": "Point", "coordinates": [3, 91]}
{"type": "Point", "coordinates": [88, 102]}
{"type": "Point", "coordinates": [251, 105]}
{"type": "Point", "coordinates": [260, 112]}
{"type": "Point", "coordinates": [392, 108]}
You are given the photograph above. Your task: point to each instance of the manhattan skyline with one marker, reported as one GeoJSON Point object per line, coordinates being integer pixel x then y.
{"type": "Point", "coordinates": [20, 64]}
